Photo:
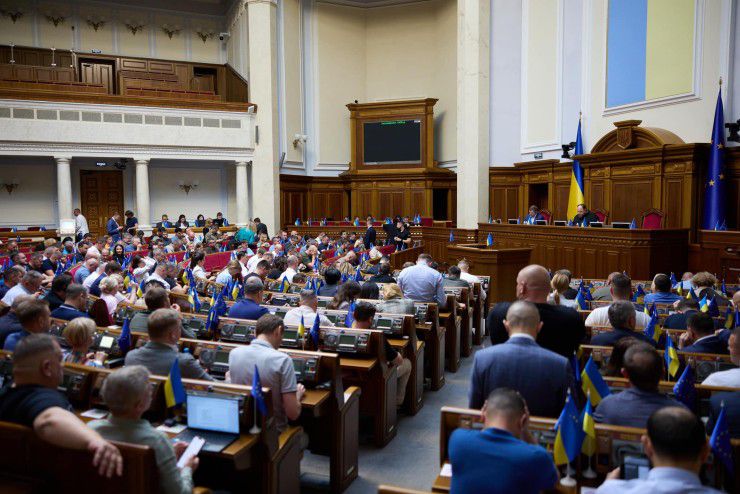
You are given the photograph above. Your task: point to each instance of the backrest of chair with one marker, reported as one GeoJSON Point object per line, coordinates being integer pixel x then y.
{"type": "Point", "coordinates": [652, 219]}
{"type": "Point", "coordinates": [602, 214]}
{"type": "Point", "coordinates": [547, 214]}
{"type": "Point", "coordinates": [99, 313]}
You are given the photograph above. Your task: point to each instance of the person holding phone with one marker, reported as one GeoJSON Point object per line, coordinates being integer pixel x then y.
{"type": "Point", "coordinates": [676, 446]}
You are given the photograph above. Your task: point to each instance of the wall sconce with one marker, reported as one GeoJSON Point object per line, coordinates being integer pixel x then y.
{"type": "Point", "coordinates": [95, 22]}
{"type": "Point", "coordinates": [13, 12]}
{"type": "Point", "coordinates": [299, 138]}
{"type": "Point", "coordinates": [566, 148]}
{"type": "Point", "coordinates": [733, 127]}
{"type": "Point", "coordinates": [12, 57]}
{"type": "Point", "coordinates": [187, 186]}
{"type": "Point", "coordinates": [134, 26]}
{"type": "Point", "coordinates": [55, 18]}
{"type": "Point", "coordinates": [171, 30]}
{"type": "Point", "coordinates": [53, 57]}
{"type": "Point", "coordinates": [205, 35]}
{"type": "Point", "coordinates": [11, 185]}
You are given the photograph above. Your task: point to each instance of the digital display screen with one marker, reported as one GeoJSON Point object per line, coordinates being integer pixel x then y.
{"type": "Point", "coordinates": [213, 413]}
{"type": "Point", "coordinates": [290, 334]}
{"type": "Point", "coordinates": [298, 365]}
{"type": "Point", "coordinates": [385, 323]}
{"type": "Point", "coordinates": [196, 324]}
{"type": "Point", "coordinates": [347, 339]}
{"type": "Point", "coordinates": [333, 318]}
{"type": "Point", "coordinates": [323, 303]}
{"type": "Point", "coordinates": [222, 358]}
{"type": "Point", "coordinates": [240, 330]}
{"type": "Point", "coordinates": [106, 342]}
{"type": "Point", "coordinates": [392, 142]}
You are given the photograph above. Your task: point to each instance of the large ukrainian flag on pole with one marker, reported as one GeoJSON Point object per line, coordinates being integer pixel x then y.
{"type": "Point", "coordinates": [575, 197]}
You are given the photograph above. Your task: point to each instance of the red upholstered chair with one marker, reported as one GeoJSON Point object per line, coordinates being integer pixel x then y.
{"type": "Point", "coordinates": [34, 228]}
{"type": "Point", "coordinates": [652, 219]}
{"type": "Point", "coordinates": [5, 229]}
{"type": "Point", "coordinates": [547, 214]}
{"type": "Point", "coordinates": [602, 214]}
{"type": "Point", "coordinates": [427, 221]}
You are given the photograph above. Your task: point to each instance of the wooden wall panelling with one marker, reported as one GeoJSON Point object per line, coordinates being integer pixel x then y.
{"type": "Point", "coordinates": [418, 199]}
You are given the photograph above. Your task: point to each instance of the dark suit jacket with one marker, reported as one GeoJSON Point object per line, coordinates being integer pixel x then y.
{"type": "Point", "coordinates": [158, 358]}
{"type": "Point", "coordinates": [710, 344]}
{"type": "Point", "coordinates": [562, 327]}
{"type": "Point", "coordinates": [67, 313]}
{"type": "Point", "coordinates": [8, 325]}
{"type": "Point", "coordinates": [261, 228]}
{"type": "Point", "coordinates": [369, 238]}
{"type": "Point", "coordinates": [732, 412]}
{"type": "Point", "coordinates": [541, 376]}
{"type": "Point", "coordinates": [677, 320]}
{"type": "Point", "coordinates": [588, 218]}
{"type": "Point", "coordinates": [166, 224]}
{"type": "Point", "coordinates": [53, 300]}
{"type": "Point", "coordinates": [609, 338]}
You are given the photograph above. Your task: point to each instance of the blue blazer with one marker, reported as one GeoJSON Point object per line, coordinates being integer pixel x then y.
{"type": "Point", "coordinates": [541, 376]}
{"type": "Point", "coordinates": [711, 344]}
{"type": "Point", "coordinates": [113, 231]}
{"type": "Point", "coordinates": [609, 338]}
{"type": "Point", "coordinates": [67, 313]}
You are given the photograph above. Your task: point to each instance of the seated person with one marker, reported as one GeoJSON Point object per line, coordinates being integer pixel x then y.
{"type": "Point", "coordinates": [533, 215]}
{"type": "Point", "coordinates": [421, 283]}
{"type": "Point", "coordinates": [110, 293]}
{"type": "Point", "coordinates": [34, 316]}
{"type": "Point", "coordinates": [332, 276]}
{"type": "Point", "coordinates": [503, 457]}
{"type": "Point", "coordinates": [363, 319]}
{"type": "Point", "coordinates": [158, 354]}
{"type": "Point", "coordinates": [110, 269]}
{"type": "Point", "coordinates": [731, 401]}
{"type": "Point", "coordinates": [583, 216]}
{"type": "Point", "coordinates": [622, 319]}
{"type": "Point", "coordinates": [57, 292]}
{"type": "Point", "coordinates": [684, 309]}
{"type": "Point", "coordinates": [155, 297]}
{"type": "Point", "coordinates": [291, 270]}
{"type": "Point", "coordinates": [615, 363]}
{"type": "Point", "coordinates": [704, 283]}
{"type": "Point", "coordinates": [29, 285]}
{"type": "Point", "coordinates": [643, 366]}
{"type": "Point", "coordinates": [699, 336]}
{"type": "Point", "coordinates": [249, 307]}
{"type": "Point", "coordinates": [661, 291]}
{"type": "Point", "coordinates": [453, 278]}
{"type": "Point", "coordinates": [562, 328]}
{"type": "Point", "coordinates": [677, 448]}
{"type": "Point", "coordinates": [11, 277]}
{"type": "Point", "coordinates": [560, 285]}
{"type": "Point", "coordinates": [347, 293]}
{"type": "Point", "coordinates": [393, 301]}
{"type": "Point", "coordinates": [383, 272]}
{"type": "Point", "coordinates": [231, 272]}
{"type": "Point", "coordinates": [369, 291]}
{"type": "Point", "coordinates": [620, 289]}
{"type": "Point", "coordinates": [308, 309]}
{"type": "Point", "coordinates": [9, 323]}
{"type": "Point", "coordinates": [570, 293]}
{"type": "Point", "coordinates": [128, 394]}
{"type": "Point", "coordinates": [35, 402]}
{"type": "Point", "coordinates": [729, 378]}
{"type": "Point", "coordinates": [604, 292]}
{"type": "Point", "coordinates": [541, 376]}
{"type": "Point", "coordinates": [75, 304]}
{"type": "Point", "coordinates": [79, 333]}
{"type": "Point", "coordinates": [275, 369]}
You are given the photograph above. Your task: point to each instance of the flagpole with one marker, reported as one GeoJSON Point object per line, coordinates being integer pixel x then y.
{"type": "Point", "coordinates": [568, 480]}
{"type": "Point", "coordinates": [589, 473]}
{"type": "Point", "coordinates": [255, 429]}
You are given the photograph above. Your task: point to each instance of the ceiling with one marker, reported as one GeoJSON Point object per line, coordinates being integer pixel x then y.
{"type": "Point", "coordinates": [370, 3]}
{"type": "Point", "coordinates": [205, 7]}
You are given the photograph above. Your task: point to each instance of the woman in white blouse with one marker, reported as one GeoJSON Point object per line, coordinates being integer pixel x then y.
{"type": "Point", "coordinates": [560, 284]}
{"type": "Point", "coordinates": [196, 266]}
{"type": "Point", "coordinates": [110, 289]}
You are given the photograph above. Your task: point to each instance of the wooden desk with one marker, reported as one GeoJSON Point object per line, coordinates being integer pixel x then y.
{"type": "Point", "coordinates": [596, 252]}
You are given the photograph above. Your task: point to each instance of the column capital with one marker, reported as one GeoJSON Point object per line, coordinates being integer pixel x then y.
{"type": "Point", "coordinates": [142, 161]}
{"type": "Point", "coordinates": [242, 162]}
{"type": "Point", "coordinates": [62, 159]}
{"type": "Point", "coordinates": [270, 2]}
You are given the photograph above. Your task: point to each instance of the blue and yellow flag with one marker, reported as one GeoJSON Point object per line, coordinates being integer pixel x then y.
{"type": "Point", "coordinates": [732, 319]}
{"type": "Point", "coordinates": [569, 434]}
{"type": "Point", "coordinates": [452, 236]}
{"type": "Point", "coordinates": [174, 392]}
{"type": "Point", "coordinates": [639, 296]}
{"type": "Point", "coordinates": [576, 194]}
{"type": "Point", "coordinates": [703, 304]}
{"type": "Point", "coordinates": [124, 340]}
{"type": "Point", "coordinates": [712, 308]}
{"type": "Point", "coordinates": [720, 441]}
{"type": "Point", "coordinates": [684, 389]}
{"type": "Point", "coordinates": [715, 193]}
{"type": "Point", "coordinates": [671, 357]}
{"type": "Point", "coordinates": [302, 327]}
{"type": "Point", "coordinates": [315, 331]}
{"type": "Point", "coordinates": [194, 299]}
{"type": "Point", "coordinates": [589, 429]}
{"type": "Point", "coordinates": [284, 285]}
{"type": "Point", "coordinates": [489, 240]}
{"type": "Point", "coordinates": [581, 300]}
{"type": "Point", "coordinates": [350, 317]}
{"type": "Point", "coordinates": [653, 330]}
{"type": "Point", "coordinates": [259, 398]}
{"type": "Point", "coordinates": [593, 383]}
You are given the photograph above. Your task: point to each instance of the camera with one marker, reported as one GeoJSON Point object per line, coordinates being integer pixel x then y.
{"type": "Point", "coordinates": [223, 36]}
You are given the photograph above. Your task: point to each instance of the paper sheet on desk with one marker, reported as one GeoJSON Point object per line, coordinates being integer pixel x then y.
{"type": "Point", "coordinates": [192, 450]}
{"type": "Point", "coordinates": [95, 413]}
{"type": "Point", "coordinates": [446, 470]}
{"type": "Point", "coordinates": [175, 429]}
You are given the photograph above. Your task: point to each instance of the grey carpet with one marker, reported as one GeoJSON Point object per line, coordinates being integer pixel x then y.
{"type": "Point", "coordinates": [411, 459]}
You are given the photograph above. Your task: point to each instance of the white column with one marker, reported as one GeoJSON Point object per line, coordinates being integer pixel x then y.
{"type": "Point", "coordinates": [262, 15]}
{"type": "Point", "coordinates": [242, 194]}
{"type": "Point", "coordinates": [473, 93]}
{"type": "Point", "coordinates": [64, 196]}
{"type": "Point", "coordinates": [142, 195]}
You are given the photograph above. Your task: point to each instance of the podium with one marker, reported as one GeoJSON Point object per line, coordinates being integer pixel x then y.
{"type": "Point", "coordinates": [502, 265]}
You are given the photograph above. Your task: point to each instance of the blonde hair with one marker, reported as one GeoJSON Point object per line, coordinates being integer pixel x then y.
{"type": "Point", "coordinates": [391, 290]}
{"type": "Point", "coordinates": [704, 279]}
{"type": "Point", "coordinates": [79, 331]}
{"type": "Point", "coordinates": [110, 283]}
{"type": "Point", "coordinates": [559, 283]}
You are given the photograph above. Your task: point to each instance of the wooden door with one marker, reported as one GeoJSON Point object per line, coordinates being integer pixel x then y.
{"type": "Point", "coordinates": [98, 73]}
{"type": "Point", "coordinates": [101, 194]}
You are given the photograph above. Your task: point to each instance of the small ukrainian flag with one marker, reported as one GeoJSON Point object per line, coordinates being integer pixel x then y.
{"type": "Point", "coordinates": [174, 392]}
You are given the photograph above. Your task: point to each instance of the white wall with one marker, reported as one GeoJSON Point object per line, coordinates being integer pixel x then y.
{"type": "Point", "coordinates": [34, 201]}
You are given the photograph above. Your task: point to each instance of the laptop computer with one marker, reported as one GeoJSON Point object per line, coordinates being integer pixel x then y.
{"type": "Point", "coordinates": [620, 224]}
{"type": "Point", "coordinates": [540, 222]}
{"type": "Point", "coordinates": [213, 417]}
{"type": "Point", "coordinates": [560, 223]}
{"type": "Point", "coordinates": [596, 224]}
{"type": "Point", "coordinates": [513, 221]}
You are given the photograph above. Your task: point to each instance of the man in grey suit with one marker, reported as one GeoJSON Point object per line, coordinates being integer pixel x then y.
{"type": "Point", "coordinates": [160, 352]}
{"type": "Point", "coordinates": [541, 376]}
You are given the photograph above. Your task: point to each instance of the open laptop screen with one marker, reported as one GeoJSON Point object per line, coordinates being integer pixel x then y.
{"type": "Point", "coordinates": [213, 413]}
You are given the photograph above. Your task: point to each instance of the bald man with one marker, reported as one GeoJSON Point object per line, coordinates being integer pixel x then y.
{"type": "Point", "coordinates": [541, 376]}
{"type": "Point", "coordinates": [35, 402]}
{"type": "Point", "coordinates": [562, 327]}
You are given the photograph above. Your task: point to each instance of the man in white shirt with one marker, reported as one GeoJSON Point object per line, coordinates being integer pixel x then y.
{"type": "Point", "coordinates": [87, 283]}
{"type": "Point", "coordinates": [81, 227]}
{"type": "Point", "coordinates": [231, 272]}
{"type": "Point", "coordinates": [29, 285]}
{"type": "Point", "coordinates": [252, 262]}
{"type": "Point", "coordinates": [292, 269]}
{"type": "Point", "coordinates": [158, 276]}
{"type": "Point", "coordinates": [620, 289]}
{"type": "Point", "coordinates": [729, 378]}
{"type": "Point", "coordinates": [470, 278]}
{"type": "Point", "coordinates": [308, 307]}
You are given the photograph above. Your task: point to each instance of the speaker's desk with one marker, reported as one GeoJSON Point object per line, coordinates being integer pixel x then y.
{"type": "Point", "coordinates": [596, 252]}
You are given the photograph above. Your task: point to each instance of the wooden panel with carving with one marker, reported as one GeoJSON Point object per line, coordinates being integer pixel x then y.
{"type": "Point", "coordinates": [101, 194]}
{"type": "Point", "coordinates": [630, 199]}
{"type": "Point", "coordinates": [560, 209]}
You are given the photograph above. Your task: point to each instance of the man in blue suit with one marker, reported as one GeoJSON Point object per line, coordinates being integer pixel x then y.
{"type": "Point", "coordinates": [623, 318]}
{"type": "Point", "coordinates": [113, 227]}
{"type": "Point", "coordinates": [75, 303]}
{"type": "Point", "coordinates": [541, 376]}
{"type": "Point", "coordinates": [699, 336]}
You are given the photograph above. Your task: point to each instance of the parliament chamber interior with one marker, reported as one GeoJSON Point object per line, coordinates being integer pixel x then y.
{"type": "Point", "coordinates": [369, 246]}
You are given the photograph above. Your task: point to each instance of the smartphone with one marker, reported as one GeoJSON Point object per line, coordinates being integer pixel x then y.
{"type": "Point", "coordinates": [634, 467]}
